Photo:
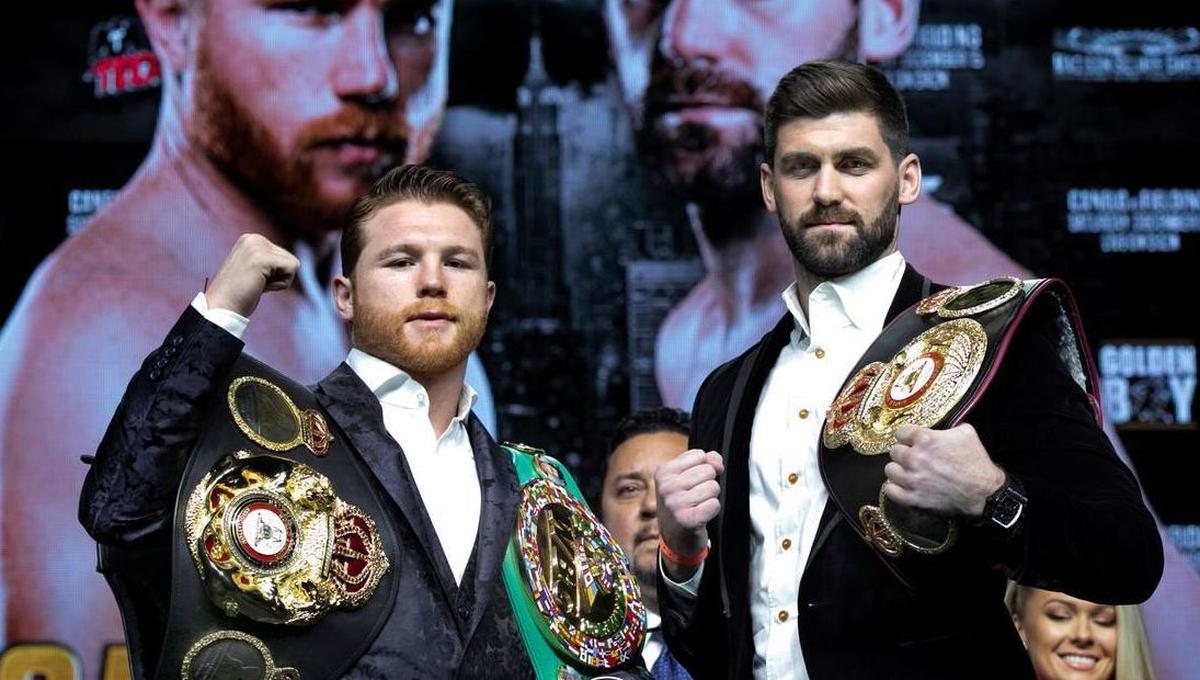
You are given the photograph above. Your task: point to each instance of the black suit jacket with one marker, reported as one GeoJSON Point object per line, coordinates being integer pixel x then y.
{"type": "Point", "coordinates": [437, 629]}
{"type": "Point", "coordinates": [1085, 531]}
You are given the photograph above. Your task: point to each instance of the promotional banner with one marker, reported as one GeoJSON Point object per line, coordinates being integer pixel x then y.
{"type": "Point", "coordinates": [619, 141]}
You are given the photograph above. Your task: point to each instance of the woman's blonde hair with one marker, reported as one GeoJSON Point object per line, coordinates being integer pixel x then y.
{"type": "Point", "coordinates": [1134, 660]}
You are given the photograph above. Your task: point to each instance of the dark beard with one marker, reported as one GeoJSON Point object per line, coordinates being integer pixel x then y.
{"type": "Point", "coordinates": [285, 186]}
{"type": "Point", "coordinates": [381, 333]}
{"type": "Point", "coordinates": [694, 162]}
{"type": "Point", "coordinates": [691, 161]}
{"type": "Point", "coordinates": [824, 255]}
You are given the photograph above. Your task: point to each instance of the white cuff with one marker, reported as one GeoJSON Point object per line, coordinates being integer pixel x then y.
{"type": "Point", "coordinates": [231, 321]}
{"type": "Point", "coordinates": [686, 590]}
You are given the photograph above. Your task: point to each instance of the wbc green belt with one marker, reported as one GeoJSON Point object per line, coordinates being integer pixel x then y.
{"type": "Point", "coordinates": [574, 597]}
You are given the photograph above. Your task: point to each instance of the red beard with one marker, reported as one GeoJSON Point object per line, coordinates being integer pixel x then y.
{"type": "Point", "coordinates": [386, 334]}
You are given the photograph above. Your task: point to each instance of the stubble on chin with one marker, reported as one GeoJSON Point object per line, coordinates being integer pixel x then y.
{"type": "Point", "coordinates": [387, 335]}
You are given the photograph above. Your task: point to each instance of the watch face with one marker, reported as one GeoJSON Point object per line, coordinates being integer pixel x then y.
{"type": "Point", "coordinates": [1006, 507]}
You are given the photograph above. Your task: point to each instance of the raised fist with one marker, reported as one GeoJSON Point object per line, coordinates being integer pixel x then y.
{"type": "Point", "coordinates": [253, 267]}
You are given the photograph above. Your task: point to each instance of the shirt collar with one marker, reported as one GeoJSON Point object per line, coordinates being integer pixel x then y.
{"type": "Point", "coordinates": [393, 386]}
{"type": "Point", "coordinates": [861, 298]}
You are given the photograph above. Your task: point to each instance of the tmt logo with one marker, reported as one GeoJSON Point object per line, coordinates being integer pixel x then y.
{"type": "Point", "coordinates": [120, 59]}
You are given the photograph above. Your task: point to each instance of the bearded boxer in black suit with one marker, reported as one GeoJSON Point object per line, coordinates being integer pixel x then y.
{"type": "Point", "coordinates": [765, 575]}
{"type": "Point", "coordinates": [416, 295]}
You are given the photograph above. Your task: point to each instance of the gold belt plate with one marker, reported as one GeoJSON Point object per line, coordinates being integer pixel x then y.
{"type": "Point", "coordinates": [957, 302]}
{"type": "Point", "coordinates": [919, 386]}
{"type": "Point", "coordinates": [893, 528]}
{"type": "Point", "coordinates": [272, 541]}
{"type": "Point", "coordinates": [269, 417]}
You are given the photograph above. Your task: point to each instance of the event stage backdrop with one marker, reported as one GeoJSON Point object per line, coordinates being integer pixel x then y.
{"type": "Point", "coordinates": [1062, 133]}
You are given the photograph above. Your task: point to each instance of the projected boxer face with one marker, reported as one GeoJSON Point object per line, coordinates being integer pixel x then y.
{"type": "Point", "coordinates": [304, 103]}
{"type": "Point", "coordinates": [696, 74]}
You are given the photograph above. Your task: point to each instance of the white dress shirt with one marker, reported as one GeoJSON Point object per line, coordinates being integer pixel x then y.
{"type": "Point", "coordinates": [787, 496]}
{"type": "Point", "coordinates": [442, 466]}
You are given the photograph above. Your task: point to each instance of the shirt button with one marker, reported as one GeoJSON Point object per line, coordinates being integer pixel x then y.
{"type": "Point", "coordinates": [803, 413]}
{"type": "Point", "coordinates": [820, 353]}
{"type": "Point", "coordinates": [786, 543]}
{"type": "Point", "coordinates": [782, 616]}
{"type": "Point", "coordinates": [793, 478]}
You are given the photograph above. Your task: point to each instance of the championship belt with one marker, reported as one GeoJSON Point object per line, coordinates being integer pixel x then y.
{"type": "Point", "coordinates": [929, 367]}
{"type": "Point", "coordinates": [573, 594]}
{"type": "Point", "coordinates": [281, 549]}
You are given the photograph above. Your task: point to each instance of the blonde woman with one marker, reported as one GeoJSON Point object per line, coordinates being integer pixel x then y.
{"type": "Point", "coordinates": [1073, 639]}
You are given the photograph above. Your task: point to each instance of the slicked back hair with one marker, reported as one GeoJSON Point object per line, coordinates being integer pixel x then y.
{"type": "Point", "coordinates": [415, 183]}
{"type": "Point", "coordinates": [816, 89]}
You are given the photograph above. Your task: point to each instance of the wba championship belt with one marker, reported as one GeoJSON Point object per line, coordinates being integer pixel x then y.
{"type": "Point", "coordinates": [281, 551]}
{"type": "Point", "coordinates": [929, 367]}
{"type": "Point", "coordinates": [573, 594]}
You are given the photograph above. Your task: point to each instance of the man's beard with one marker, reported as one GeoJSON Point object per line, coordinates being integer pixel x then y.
{"type": "Point", "coordinates": [383, 333]}
{"type": "Point", "coordinates": [714, 168]}
{"type": "Point", "coordinates": [284, 181]}
{"type": "Point", "coordinates": [829, 255]}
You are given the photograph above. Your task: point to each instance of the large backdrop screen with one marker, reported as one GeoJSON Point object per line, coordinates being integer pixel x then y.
{"type": "Point", "coordinates": [618, 140]}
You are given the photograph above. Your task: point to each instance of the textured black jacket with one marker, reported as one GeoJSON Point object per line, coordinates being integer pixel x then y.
{"type": "Point", "coordinates": [437, 628]}
{"type": "Point", "coordinates": [1085, 531]}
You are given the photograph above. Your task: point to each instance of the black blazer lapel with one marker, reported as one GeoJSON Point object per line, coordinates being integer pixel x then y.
{"type": "Point", "coordinates": [357, 412]}
{"type": "Point", "coordinates": [735, 520]}
{"type": "Point", "coordinates": [914, 286]}
{"type": "Point", "coordinates": [499, 493]}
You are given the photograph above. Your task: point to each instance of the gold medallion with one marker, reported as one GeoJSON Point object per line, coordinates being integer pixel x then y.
{"type": "Point", "coordinates": [843, 412]}
{"type": "Point", "coordinates": [879, 534]}
{"type": "Point", "coordinates": [232, 655]}
{"type": "Point", "coordinates": [919, 386]}
{"type": "Point", "coordinates": [980, 298]}
{"type": "Point", "coordinates": [893, 528]}
{"type": "Point", "coordinates": [931, 304]}
{"type": "Point", "coordinates": [272, 541]}
{"type": "Point", "coordinates": [269, 417]}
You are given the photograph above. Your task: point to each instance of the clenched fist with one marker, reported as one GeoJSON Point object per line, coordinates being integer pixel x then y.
{"type": "Point", "coordinates": [688, 498]}
{"type": "Point", "coordinates": [946, 471]}
{"type": "Point", "coordinates": [253, 267]}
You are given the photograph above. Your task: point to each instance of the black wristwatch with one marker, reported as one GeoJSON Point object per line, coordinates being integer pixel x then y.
{"type": "Point", "coordinates": [1006, 506]}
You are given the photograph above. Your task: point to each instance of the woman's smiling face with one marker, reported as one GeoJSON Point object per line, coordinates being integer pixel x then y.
{"type": "Point", "coordinates": [1068, 638]}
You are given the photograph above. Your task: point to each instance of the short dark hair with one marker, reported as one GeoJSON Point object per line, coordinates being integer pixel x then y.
{"type": "Point", "coordinates": [415, 183]}
{"type": "Point", "coordinates": [822, 87]}
{"type": "Point", "coordinates": [649, 421]}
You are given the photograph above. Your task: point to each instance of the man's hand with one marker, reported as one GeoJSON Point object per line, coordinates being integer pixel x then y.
{"type": "Point", "coordinates": [946, 471]}
{"type": "Point", "coordinates": [253, 267]}
{"type": "Point", "coordinates": [688, 498]}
